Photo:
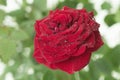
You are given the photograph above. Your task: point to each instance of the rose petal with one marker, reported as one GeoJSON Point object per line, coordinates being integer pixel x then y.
{"type": "Point", "coordinates": [77, 34]}
{"type": "Point", "coordinates": [80, 51]}
{"type": "Point", "coordinates": [74, 64]}
{"type": "Point", "coordinates": [98, 40]}
{"type": "Point", "coordinates": [38, 57]}
{"type": "Point", "coordinates": [71, 30]}
{"type": "Point", "coordinates": [90, 41]}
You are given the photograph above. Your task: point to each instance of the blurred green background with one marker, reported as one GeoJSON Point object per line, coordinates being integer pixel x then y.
{"type": "Point", "coordinates": [17, 34]}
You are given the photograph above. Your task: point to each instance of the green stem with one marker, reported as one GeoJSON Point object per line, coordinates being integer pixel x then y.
{"type": "Point", "coordinates": [77, 77]}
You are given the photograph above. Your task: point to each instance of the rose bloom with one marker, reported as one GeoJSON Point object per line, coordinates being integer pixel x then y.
{"type": "Point", "coordinates": [66, 38]}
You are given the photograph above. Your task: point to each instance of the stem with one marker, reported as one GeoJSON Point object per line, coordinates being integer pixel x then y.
{"type": "Point", "coordinates": [77, 77]}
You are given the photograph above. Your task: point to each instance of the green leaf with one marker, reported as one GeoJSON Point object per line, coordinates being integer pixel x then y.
{"type": "Point", "coordinates": [106, 5]}
{"type": "Point", "coordinates": [2, 15]}
{"type": "Point", "coordinates": [84, 75]}
{"type": "Point", "coordinates": [5, 32]}
{"type": "Point", "coordinates": [41, 5]}
{"type": "Point", "coordinates": [88, 6]}
{"type": "Point", "coordinates": [109, 78]}
{"type": "Point", "coordinates": [109, 19]}
{"type": "Point", "coordinates": [40, 68]}
{"type": "Point", "coordinates": [3, 2]}
{"type": "Point", "coordinates": [37, 14]}
{"type": "Point", "coordinates": [28, 27]}
{"type": "Point", "coordinates": [7, 49]}
{"type": "Point", "coordinates": [60, 75]}
{"type": "Point", "coordinates": [49, 75]}
{"type": "Point", "coordinates": [103, 66]}
{"type": "Point", "coordinates": [93, 71]}
{"type": "Point", "coordinates": [83, 1]}
{"type": "Point", "coordinates": [28, 42]}
{"type": "Point", "coordinates": [69, 3]}
{"type": "Point", "coordinates": [113, 56]}
{"type": "Point", "coordinates": [19, 15]}
{"type": "Point", "coordinates": [117, 16]}
{"type": "Point", "coordinates": [19, 35]}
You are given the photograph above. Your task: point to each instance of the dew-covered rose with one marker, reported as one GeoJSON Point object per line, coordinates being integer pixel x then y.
{"type": "Point", "coordinates": [66, 38]}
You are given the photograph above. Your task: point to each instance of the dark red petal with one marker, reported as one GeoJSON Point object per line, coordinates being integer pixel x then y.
{"type": "Point", "coordinates": [98, 40]}
{"type": "Point", "coordinates": [51, 12]}
{"type": "Point", "coordinates": [77, 34]}
{"type": "Point", "coordinates": [91, 14]}
{"type": "Point", "coordinates": [86, 32]}
{"type": "Point", "coordinates": [36, 45]}
{"type": "Point", "coordinates": [70, 30]}
{"type": "Point", "coordinates": [90, 41]}
{"type": "Point", "coordinates": [82, 61]}
{"type": "Point", "coordinates": [44, 29]}
{"type": "Point", "coordinates": [37, 53]}
{"type": "Point", "coordinates": [57, 54]}
{"type": "Point", "coordinates": [94, 26]}
{"type": "Point", "coordinates": [80, 51]}
{"type": "Point", "coordinates": [74, 64]}
{"type": "Point", "coordinates": [62, 18]}
{"type": "Point", "coordinates": [38, 57]}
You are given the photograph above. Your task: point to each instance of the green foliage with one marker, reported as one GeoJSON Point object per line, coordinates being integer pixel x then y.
{"type": "Point", "coordinates": [19, 15]}
{"type": "Point", "coordinates": [28, 27]}
{"type": "Point", "coordinates": [109, 19]}
{"type": "Point", "coordinates": [19, 35]}
{"type": "Point", "coordinates": [4, 32]}
{"type": "Point", "coordinates": [62, 75]}
{"type": "Point", "coordinates": [117, 16]}
{"type": "Point", "coordinates": [3, 2]}
{"type": "Point", "coordinates": [114, 56]}
{"type": "Point", "coordinates": [49, 75]}
{"type": "Point", "coordinates": [93, 71]}
{"type": "Point", "coordinates": [106, 6]}
{"type": "Point", "coordinates": [40, 5]}
{"type": "Point", "coordinates": [103, 66]}
{"type": "Point", "coordinates": [16, 44]}
{"type": "Point", "coordinates": [2, 15]}
{"type": "Point", "coordinates": [7, 49]}
{"type": "Point", "coordinates": [69, 3]}
{"type": "Point", "coordinates": [84, 75]}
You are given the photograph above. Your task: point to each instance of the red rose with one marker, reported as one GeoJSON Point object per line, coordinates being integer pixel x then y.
{"type": "Point", "coordinates": [66, 38]}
